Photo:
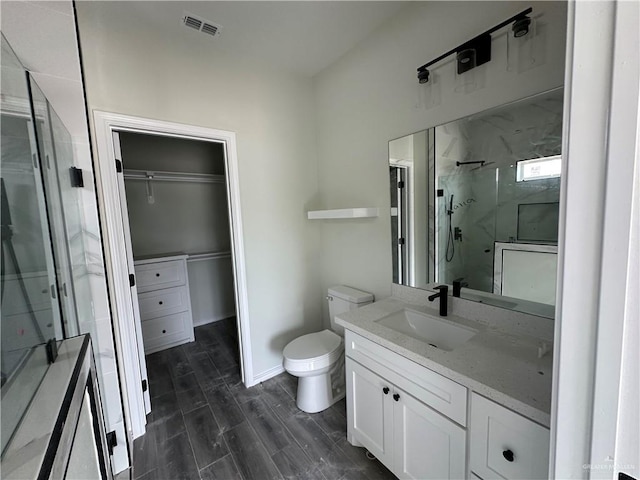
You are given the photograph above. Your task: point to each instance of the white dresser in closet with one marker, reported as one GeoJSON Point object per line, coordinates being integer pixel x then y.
{"type": "Point", "coordinates": [165, 305]}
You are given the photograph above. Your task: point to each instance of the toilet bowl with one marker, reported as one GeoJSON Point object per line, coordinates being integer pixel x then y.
{"type": "Point", "coordinates": [317, 359]}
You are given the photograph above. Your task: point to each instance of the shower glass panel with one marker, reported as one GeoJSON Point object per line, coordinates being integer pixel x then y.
{"type": "Point", "coordinates": [466, 225]}
{"type": "Point", "coordinates": [71, 197]}
{"type": "Point", "coordinates": [30, 311]}
{"type": "Point", "coordinates": [56, 154]}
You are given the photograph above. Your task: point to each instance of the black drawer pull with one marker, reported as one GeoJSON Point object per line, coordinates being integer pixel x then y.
{"type": "Point", "coordinates": [396, 397]}
{"type": "Point", "coordinates": [157, 274]}
{"type": "Point", "coordinates": [164, 331]}
{"type": "Point", "coordinates": [160, 302]}
{"type": "Point", "coordinates": [385, 390]}
{"type": "Point", "coordinates": [508, 455]}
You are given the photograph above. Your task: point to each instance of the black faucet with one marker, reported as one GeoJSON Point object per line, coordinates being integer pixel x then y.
{"type": "Point", "coordinates": [457, 286]}
{"type": "Point", "coordinates": [443, 293]}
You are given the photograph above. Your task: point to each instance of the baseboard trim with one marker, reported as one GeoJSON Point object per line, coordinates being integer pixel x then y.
{"type": "Point", "coordinates": [217, 318]}
{"type": "Point", "coordinates": [266, 375]}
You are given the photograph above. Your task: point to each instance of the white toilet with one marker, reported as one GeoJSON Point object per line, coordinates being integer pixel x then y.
{"type": "Point", "coordinates": [317, 359]}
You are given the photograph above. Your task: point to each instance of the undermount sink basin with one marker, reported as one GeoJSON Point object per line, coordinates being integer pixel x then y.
{"type": "Point", "coordinates": [437, 332]}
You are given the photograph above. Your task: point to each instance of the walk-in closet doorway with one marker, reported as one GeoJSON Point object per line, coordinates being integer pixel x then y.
{"type": "Point", "coordinates": [170, 201]}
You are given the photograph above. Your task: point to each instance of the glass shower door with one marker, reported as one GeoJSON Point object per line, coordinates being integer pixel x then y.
{"type": "Point", "coordinates": [56, 154]}
{"type": "Point", "coordinates": [466, 226]}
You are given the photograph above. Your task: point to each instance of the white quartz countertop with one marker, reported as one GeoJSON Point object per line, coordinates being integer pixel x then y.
{"type": "Point", "coordinates": [499, 362]}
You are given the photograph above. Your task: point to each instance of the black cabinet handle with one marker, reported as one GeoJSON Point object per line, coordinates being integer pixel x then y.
{"type": "Point", "coordinates": [160, 302]}
{"type": "Point", "coordinates": [157, 274]}
{"type": "Point", "coordinates": [164, 331]}
{"type": "Point", "coordinates": [385, 390]}
{"type": "Point", "coordinates": [396, 397]}
{"type": "Point", "coordinates": [508, 455]}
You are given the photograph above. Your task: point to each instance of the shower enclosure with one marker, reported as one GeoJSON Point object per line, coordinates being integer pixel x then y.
{"type": "Point", "coordinates": [41, 246]}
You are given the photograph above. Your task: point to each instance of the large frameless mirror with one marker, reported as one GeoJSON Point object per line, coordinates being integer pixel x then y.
{"type": "Point", "coordinates": [475, 202]}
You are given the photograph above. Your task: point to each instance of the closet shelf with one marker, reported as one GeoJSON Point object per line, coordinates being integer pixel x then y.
{"type": "Point", "coordinates": [365, 212]}
{"type": "Point", "coordinates": [172, 176]}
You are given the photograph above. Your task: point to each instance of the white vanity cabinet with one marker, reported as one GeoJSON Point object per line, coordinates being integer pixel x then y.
{"type": "Point", "coordinates": [411, 418]}
{"type": "Point", "coordinates": [504, 444]}
{"type": "Point", "coordinates": [164, 302]}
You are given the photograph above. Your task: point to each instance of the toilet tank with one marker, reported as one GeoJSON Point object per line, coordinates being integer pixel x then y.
{"type": "Point", "coordinates": [342, 299]}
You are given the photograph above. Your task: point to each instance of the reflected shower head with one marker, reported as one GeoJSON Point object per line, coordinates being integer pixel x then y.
{"type": "Point", "coordinates": [484, 164]}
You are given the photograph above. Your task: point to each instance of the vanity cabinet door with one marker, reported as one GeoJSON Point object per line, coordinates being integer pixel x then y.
{"type": "Point", "coordinates": [426, 444]}
{"type": "Point", "coordinates": [369, 411]}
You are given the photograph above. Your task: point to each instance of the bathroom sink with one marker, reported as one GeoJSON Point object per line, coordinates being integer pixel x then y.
{"type": "Point", "coordinates": [437, 332]}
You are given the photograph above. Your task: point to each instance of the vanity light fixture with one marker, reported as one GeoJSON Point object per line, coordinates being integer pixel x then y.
{"type": "Point", "coordinates": [477, 51]}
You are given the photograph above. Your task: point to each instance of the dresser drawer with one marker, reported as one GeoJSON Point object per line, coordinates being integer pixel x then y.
{"type": "Point", "coordinates": [504, 444]}
{"type": "Point", "coordinates": [431, 388]}
{"type": "Point", "coordinates": [159, 303]}
{"type": "Point", "coordinates": [157, 275]}
{"type": "Point", "coordinates": [159, 333]}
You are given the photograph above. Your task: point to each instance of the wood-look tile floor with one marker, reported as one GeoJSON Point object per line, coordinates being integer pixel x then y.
{"type": "Point", "coordinates": [206, 425]}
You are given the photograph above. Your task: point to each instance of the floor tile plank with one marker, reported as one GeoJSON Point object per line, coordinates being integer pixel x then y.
{"type": "Point", "coordinates": [223, 469]}
{"type": "Point", "coordinates": [249, 453]}
{"type": "Point", "coordinates": [191, 399]}
{"type": "Point", "coordinates": [205, 371]}
{"type": "Point", "coordinates": [224, 407]}
{"type": "Point", "coordinates": [168, 427]}
{"type": "Point", "coordinates": [316, 444]}
{"type": "Point", "coordinates": [370, 468]}
{"type": "Point", "coordinates": [176, 460]}
{"type": "Point", "coordinates": [269, 428]}
{"type": "Point", "coordinates": [332, 423]}
{"type": "Point", "coordinates": [145, 454]}
{"type": "Point", "coordinates": [293, 463]}
{"type": "Point", "coordinates": [205, 436]}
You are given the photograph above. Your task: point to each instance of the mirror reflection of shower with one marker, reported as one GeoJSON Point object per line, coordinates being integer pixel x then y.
{"type": "Point", "coordinates": [451, 248]}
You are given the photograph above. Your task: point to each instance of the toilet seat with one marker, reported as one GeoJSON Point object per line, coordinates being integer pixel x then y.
{"type": "Point", "coordinates": [311, 352]}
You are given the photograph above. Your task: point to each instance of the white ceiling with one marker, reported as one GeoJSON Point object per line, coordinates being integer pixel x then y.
{"type": "Point", "coordinates": [300, 36]}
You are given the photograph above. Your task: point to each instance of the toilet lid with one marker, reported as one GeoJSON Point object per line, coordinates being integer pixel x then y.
{"type": "Point", "coordinates": [312, 345]}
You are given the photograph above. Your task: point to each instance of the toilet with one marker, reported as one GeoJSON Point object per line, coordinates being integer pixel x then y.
{"type": "Point", "coordinates": [317, 359]}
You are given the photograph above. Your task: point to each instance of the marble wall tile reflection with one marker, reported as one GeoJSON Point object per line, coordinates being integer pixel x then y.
{"type": "Point", "coordinates": [487, 200]}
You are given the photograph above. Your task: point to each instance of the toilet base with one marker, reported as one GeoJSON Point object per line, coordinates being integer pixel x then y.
{"type": "Point", "coordinates": [315, 393]}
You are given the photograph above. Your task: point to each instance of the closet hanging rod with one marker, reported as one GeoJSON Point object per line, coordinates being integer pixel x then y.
{"type": "Point", "coordinates": [198, 257]}
{"type": "Point", "coordinates": [173, 176]}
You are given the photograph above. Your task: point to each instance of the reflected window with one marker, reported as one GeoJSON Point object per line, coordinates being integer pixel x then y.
{"type": "Point", "coordinates": [538, 168]}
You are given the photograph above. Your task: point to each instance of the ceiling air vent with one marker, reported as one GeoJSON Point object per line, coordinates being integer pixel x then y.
{"type": "Point", "coordinates": [200, 24]}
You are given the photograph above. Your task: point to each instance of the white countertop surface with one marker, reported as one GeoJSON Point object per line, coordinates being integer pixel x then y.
{"type": "Point", "coordinates": [500, 362]}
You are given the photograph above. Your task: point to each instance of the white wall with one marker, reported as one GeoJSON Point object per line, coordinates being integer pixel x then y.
{"type": "Point", "coordinates": [368, 97]}
{"type": "Point", "coordinates": [133, 69]}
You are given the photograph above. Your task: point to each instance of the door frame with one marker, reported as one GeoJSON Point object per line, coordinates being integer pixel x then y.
{"type": "Point", "coordinates": [116, 266]}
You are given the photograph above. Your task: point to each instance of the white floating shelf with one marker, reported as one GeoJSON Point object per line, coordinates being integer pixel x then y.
{"type": "Point", "coordinates": [367, 212]}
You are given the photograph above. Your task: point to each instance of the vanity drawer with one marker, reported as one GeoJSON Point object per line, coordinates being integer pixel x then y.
{"type": "Point", "coordinates": [504, 444]}
{"type": "Point", "coordinates": [163, 302]}
{"type": "Point", "coordinates": [158, 275]}
{"type": "Point", "coordinates": [165, 331]}
{"type": "Point", "coordinates": [431, 388]}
